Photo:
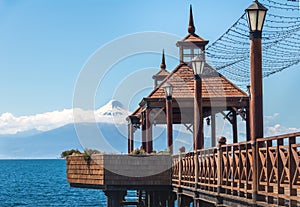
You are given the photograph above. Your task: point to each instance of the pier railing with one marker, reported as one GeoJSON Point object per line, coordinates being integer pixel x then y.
{"type": "Point", "coordinates": [228, 169]}
{"type": "Point", "coordinates": [279, 168]}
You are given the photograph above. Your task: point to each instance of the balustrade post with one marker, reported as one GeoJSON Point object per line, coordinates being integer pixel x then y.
{"type": "Point", "coordinates": [196, 168]}
{"type": "Point", "coordinates": [292, 170]}
{"type": "Point", "coordinates": [179, 169]}
{"type": "Point", "coordinates": [254, 172]}
{"type": "Point", "coordinates": [221, 141]}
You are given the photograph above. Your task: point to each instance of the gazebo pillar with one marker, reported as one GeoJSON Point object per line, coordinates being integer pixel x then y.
{"type": "Point", "coordinates": [130, 137]}
{"type": "Point", "coordinates": [144, 140]}
{"type": "Point", "coordinates": [133, 122]}
{"type": "Point", "coordinates": [169, 120]}
{"type": "Point", "coordinates": [149, 141]}
{"type": "Point", "coordinates": [234, 127]}
{"type": "Point", "coordinates": [248, 124]}
{"type": "Point", "coordinates": [213, 129]}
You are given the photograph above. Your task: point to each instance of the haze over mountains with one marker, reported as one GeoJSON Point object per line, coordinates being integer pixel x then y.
{"type": "Point", "coordinates": [107, 134]}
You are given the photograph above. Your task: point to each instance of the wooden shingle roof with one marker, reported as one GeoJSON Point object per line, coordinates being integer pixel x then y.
{"type": "Point", "coordinates": [193, 38]}
{"type": "Point", "coordinates": [161, 73]}
{"type": "Point", "coordinates": [213, 84]}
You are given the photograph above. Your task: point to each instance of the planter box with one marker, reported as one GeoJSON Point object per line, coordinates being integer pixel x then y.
{"type": "Point", "coordinates": [119, 170]}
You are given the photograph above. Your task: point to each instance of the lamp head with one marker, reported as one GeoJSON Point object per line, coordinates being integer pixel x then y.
{"type": "Point", "coordinates": [168, 89]}
{"type": "Point", "coordinates": [256, 14]}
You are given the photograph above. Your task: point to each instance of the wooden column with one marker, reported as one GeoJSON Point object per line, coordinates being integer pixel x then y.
{"type": "Point", "coordinates": [198, 116]}
{"type": "Point", "coordinates": [171, 200]}
{"type": "Point", "coordinates": [220, 166]}
{"type": "Point", "coordinates": [213, 129]}
{"type": "Point", "coordinates": [292, 170]}
{"type": "Point", "coordinates": [256, 106]}
{"type": "Point", "coordinates": [149, 141]}
{"type": "Point", "coordinates": [114, 198]}
{"type": "Point", "coordinates": [234, 127]}
{"type": "Point", "coordinates": [169, 117]}
{"type": "Point", "coordinates": [144, 140]}
{"type": "Point", "coordinates": [248, 125]}
{"type": "Point", "coordinates": [256, 88]}
{"type": "Point", "coordinates": [130, 138]}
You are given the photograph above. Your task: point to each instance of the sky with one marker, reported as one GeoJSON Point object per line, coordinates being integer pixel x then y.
{"type": "Point", "coordinates": [46, 45]}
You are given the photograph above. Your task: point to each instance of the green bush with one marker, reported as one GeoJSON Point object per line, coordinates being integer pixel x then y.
{"type": "Point", "coordinates": [66, 153]}
{"type": "Point", "coordinates": [89, 152]}
{"type": "Point", "coordinates": [138, 152]}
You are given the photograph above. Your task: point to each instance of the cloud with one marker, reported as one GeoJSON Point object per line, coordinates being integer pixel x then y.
{"type": "Point", "coordinates": [277, 129]}
{"type": "Point", "coordinates": [271, 117]}
{"type": "Point", "coordinates": [10, 124]}
{"type": "Point", "coordinates": [273, 127]}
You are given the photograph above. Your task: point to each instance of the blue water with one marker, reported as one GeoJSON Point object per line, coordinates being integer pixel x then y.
{"type": "Point", "coordinates": [42, 183]}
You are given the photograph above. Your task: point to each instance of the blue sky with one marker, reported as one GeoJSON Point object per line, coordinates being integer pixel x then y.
{"type": "Point", "coordinates": [45, 44]}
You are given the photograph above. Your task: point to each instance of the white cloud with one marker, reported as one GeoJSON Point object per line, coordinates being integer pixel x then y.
{"type": "Point", "coordinates": [271, 117]}
{"type": "Point", "coordinates": [10, 124]}
{"type": "Point", "coordinates": [273, 126]}
{"type": "Point", "coordinates": [277, 129]}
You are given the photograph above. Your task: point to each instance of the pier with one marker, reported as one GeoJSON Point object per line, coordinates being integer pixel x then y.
{"type": "Point", "coordinates": [218, 176]}
{"type": "Point", "coordinates": [250, 171]}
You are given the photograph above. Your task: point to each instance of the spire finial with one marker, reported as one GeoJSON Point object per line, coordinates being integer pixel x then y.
{"type": "Point", "coordinates": [163, 63]}
{"type": "Point", "coordinates": [191, 27]}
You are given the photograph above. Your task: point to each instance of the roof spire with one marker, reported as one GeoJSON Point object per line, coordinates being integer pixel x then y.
{"type": "Point", "coordinates": [191, 27]}
{"type": "Point", "coordinates": [163, 63]}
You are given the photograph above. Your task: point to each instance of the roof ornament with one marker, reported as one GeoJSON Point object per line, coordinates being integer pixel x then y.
{"type": "Point", "coordinates": [163, 63]}
{"type": "Point", "coordinates": [191, 27]}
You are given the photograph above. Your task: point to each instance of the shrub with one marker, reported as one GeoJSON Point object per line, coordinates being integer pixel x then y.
{"type": "Point", "coordinates": [89, 152]}
{"type": "Point", "coordinates": [138, 152]}
{"type": "Point", "coordinates": [66, 153]}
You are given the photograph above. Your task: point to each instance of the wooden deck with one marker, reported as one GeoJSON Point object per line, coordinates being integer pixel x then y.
{"type": "Point", "coordinates": [222, 175]}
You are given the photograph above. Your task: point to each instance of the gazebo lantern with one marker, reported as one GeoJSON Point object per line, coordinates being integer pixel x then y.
{"type": "Point", "coordinates": [168, 89]}
{"type": "Point", "coordinates": [198, 65]}
{"type": "Point", "coordinates": [256, 14]}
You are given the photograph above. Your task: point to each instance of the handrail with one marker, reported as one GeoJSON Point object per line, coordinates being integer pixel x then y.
{"type": "Point", "coordinates": [228, 169]}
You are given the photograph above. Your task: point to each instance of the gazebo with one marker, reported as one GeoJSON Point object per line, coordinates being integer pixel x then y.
{"type": "Point", "coordinates": [219, 96]}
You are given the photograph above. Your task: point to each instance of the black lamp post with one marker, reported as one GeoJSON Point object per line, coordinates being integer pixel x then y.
{"type": "Point", "coordinates": [197, 64]}
{"type": "Point", "coordinates": [168, 89]}
{"type": "Point", "coordinates": [256, 14]}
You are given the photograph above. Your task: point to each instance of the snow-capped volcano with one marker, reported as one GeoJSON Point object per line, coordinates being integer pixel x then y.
{"type": "Point", "coordinates": [112, 108]}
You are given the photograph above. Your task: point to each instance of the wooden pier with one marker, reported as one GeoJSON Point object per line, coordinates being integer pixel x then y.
{"type": "Point", "coordinates": [218, 176]}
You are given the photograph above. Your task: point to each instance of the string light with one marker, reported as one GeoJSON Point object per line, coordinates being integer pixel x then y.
{"type": "Point", "coordinates": [229, 54]}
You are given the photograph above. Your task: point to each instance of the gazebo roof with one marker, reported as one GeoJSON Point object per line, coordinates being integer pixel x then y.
{"type": "Point", "coordinates": [192, 38]}
{"type": "Point", "coordinates": [161, 73]}
{"type": "Point", "coordinates": [214, 86]}
{"type": "Point", "coordinates": [217, 91]}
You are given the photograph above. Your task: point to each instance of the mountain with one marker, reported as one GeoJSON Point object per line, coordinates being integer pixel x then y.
{"type": "Point", "coordinates": [112, 108]}
{"type": "Point", "coordinates": [108, 135]}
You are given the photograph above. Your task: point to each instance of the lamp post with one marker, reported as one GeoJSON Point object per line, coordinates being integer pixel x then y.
{"type": "Point", "coordinates": [256, 14]}
{"type": "Point", "coordinates": [197, 64]}
{"type": "Point", "coordinates": [168, 89]}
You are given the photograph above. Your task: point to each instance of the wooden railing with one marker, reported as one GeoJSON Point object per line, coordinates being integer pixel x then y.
{"type": "Point", "coordinates": [228, 169]}
{"type": "Point", "coordinates": [279, 169]}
